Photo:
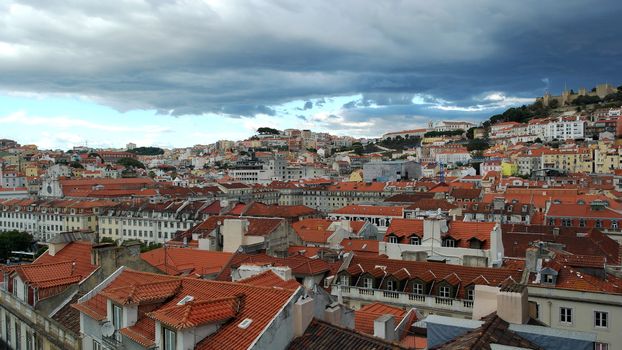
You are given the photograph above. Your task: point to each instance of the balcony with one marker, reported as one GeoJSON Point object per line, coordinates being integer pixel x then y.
{"type": "Point", "coordinates": [423, 302]}
{"type": "Point", "coordinates": [114, 341]}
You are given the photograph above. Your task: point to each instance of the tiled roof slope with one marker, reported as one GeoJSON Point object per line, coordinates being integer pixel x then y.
{"type": "Point", "coordinates": [183, 261]}
{"type": "Point", "coordinates": [322, 336]}
{"type": "Point", "coordinates": [213, 300]}
{"type": "Point", "coordinates": [493, 331]}
{"type": "Point", "coordinates": [365, 316]}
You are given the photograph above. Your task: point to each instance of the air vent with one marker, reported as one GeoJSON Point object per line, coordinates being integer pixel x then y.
{"type": "Point", "coordinates": [245, 323]}
{"type": "Point", "coordinates": [186, 299]}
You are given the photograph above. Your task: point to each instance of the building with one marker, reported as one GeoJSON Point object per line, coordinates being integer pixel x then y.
{"type": "Point", "coordinates": [396, 170]}
{"type": "Point", "coordinates": [435, 239]}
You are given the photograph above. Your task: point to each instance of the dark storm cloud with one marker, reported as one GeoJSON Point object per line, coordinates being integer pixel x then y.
{"type": "Point", "coordinates": [243, 59]}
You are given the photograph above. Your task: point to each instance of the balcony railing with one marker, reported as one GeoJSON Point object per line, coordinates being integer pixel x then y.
{"type": "Point", "coordinates": [405, 299]}
{"type": "Point", "coordinates": [113, 341]}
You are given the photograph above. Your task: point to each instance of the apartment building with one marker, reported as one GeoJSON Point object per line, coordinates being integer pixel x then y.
{"type": "Point", "coordinates": [436, 239]}
{"type": "Point", "coordinates": [430, 287]}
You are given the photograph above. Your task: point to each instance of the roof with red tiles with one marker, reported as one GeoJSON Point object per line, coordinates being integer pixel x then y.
{"type": "Point", "coordinates": [357, 187]}
{"type": "Point", "coordinates": [298, 263]}
{"type": "Point", "coordinates": [405, 228]}
{"type": "Point", "coordinates": [432, 204]}
{"type": "Point", "coordinates": [373, 210]}
{"type": "Point", "coordinates": [365, 316]}
{"type": "Point", "coordinates": [77, 251]}
{"type": "Point", "coordinates": [321, 335]}
{"type": "Point", "coordinates": [576, 240]}
{"type": "Point", "coordinates": [360, 245]}
{"type": "Point", "coordinates": [432, 271]}
{"type": "Point", "coordinates": [213, 301]}
{"type": "Point", "coordinates": [463, 232]}
{"type": "Point", "coordinates": [270, 279]}
{"type": "Point", "coordinates": [281, 211]}
{"type": "Point", "coordinates": [184, 261]}
{"type": "Point", "coordinates": [581, 211]}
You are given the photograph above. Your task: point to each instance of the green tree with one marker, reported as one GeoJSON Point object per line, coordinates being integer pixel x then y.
{"type": "Point", "coordinates": [478, 145]}
{"type": "Point", "coordinates": [147, 151]}
{"type": "Point", "coordinates": [14, 240]}
{"type": "Point", "coordinates": [268, 131]}
{"type": "Point", "coordinates": [76, 165]}
{"type": "Point", "coordinates": [130, 163]}
{"type": "Point", "coordinates": [553, 103]}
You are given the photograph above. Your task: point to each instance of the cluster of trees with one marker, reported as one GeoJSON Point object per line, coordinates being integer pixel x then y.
{"type": "Point", "coordinates": [147, 151]}
{"type": "Point", "coordinates": [131, 163]}
{"type": "Point", "coordinates": [268, 131]}
{"type": "Point", "coordinates": [457, 132]}
{"type": "Point", "coordinates": [520, 114]}
{"type": "Point", "coordinates": [477, 145]}
{"type": "Point", "coordinates": [400, 143]}
{"type": "Point", "coordinates": [14, 240]}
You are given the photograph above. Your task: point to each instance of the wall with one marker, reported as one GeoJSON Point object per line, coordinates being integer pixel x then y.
{"type": "Point", "coordinates": [583, 304]}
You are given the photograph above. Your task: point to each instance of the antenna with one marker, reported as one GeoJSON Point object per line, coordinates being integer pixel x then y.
{"type": "Point", "coordinates": [107, 329]}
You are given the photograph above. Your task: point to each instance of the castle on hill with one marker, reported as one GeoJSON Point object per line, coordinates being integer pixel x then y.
{"type": "Point", "coordinates": [568, 96]}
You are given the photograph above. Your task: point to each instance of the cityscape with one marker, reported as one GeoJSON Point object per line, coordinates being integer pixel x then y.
{"type": "Point", "coordinates": [274, 175]}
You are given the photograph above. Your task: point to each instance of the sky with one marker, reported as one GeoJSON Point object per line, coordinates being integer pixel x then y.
{"type": "Point", "coordinates": [177, 73]}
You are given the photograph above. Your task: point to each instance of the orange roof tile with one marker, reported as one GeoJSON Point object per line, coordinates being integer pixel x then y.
{"type": "Point", "coordinates": [197, 313]}
{"type": "Point", "coordinates": [365, 316]}
{"type": "Point", "coordinates": [374, 210]}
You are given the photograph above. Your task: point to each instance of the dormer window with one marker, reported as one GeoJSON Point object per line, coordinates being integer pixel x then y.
{"type": "Point", "coordinates": [344, 280]}
{"type": "Point", "coordinates": [418, 288]}
{"type": "Point", "coordinates": [414, 240]}
{"type": "Point", "coordinates": [548, 279]}
{"type": "Point", "coordinates": [368, 283]}
{"type": "Point", "coordinates": [393, 239]}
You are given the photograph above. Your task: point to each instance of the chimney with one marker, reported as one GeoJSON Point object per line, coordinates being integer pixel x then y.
{"type": "Point", "coordinates": [303, 314]}
{"type": "Point", "coordinates": [513, 304]}
{"type": "Point", "coordinates": [384, 327]}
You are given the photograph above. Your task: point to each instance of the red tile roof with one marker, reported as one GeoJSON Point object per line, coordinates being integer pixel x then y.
{"type": "Point", "coordinates": [213, 301]}
{"type": "Point", "coordinates": [405, 228]}
{"type": "Point", "coordinates": [365, 316]}
{"type": "Point", "coordinates": [196, 313]}
{"type": "Point", "coordinates": [270, 279]}
{"type": "Point", "coordinates": [184, 261]}
{"type": "Point", "coordinates": [465, 231]}
{"type": "Point", "coordinates": [280, 211]}
{"type": "Point", "coordinates": [374, 210]}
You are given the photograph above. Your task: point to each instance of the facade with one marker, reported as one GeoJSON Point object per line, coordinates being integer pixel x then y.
{"type": "Point", "coordinates": [386, 171]}
{"type": "Point", "coordinates": [459, 243]}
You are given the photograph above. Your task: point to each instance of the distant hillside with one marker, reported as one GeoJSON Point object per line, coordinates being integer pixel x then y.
{"type": "Point", "coordinates": [550, 105]}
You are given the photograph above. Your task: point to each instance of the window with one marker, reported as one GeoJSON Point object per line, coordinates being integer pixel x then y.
{"type": "Point", "coordinates": [390, 285]}
{"type": "Point", "coordinates": [600, 319]}
{"type": "Point", "coordinates": [565, 315]}
{"type": "Point", "coordinates": [96, 345]}
{"type": "Point", "coordinates": [368, 283]}
{"type": "Point", "coordinates": [614, 224]}
{"type": "Point", "coordinates": [548, 278]}
{"type": "Point", "coordinates": [470, 294]}
{"type": "Point", "coordinates": [418, 288]}
{"type": "Point", "coordinates": [392, 239]}
{"type": "Point", "coordinates": [566, 221]}
{"type": "Point", "coordinates": [444, 292]}
{"type": "Point", "coordinates": [116, 316]}
{"type": "Point", "coordinates": [18, 336]}
{"type": "Point", "coordinates": [169, 339]}
{"type": "Point", "coordinates": [415, 240]}
{"type": "Point", "coordinates": [599, 223]}
{"type": "Point", "coordinates": [581, 222]}
{"type": "Point", "coordinates": [345, 280]}
{"type": "Point", "coordinates": [28, 340]}
{"type": "Point", "coordinates": [8, 333]}
{"type": "Point", "coordinates": [551, 222]}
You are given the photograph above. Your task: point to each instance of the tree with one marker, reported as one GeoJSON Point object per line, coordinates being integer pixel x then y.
{"type": "Point", "coordinates": [130, 163]}
{"type": "Point", "coordinates": [14, 240]}
{"type": "Point", "coordinates": [76, 165]}
{"type": "Point", "coordinates": [147, 151]}
{"type": "Point", "coordinates": [152, 174]}
{"type": "Point", "coordinates": [537, 140]}
{"type": "Point", "coordinates": [478, 145]}
{"type": "Point", "coordinates": [553, 103]}
{"type": "Point", "coordinates": [268, 131]}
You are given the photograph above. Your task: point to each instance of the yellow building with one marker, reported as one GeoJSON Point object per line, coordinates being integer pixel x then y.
{"type": "Point", "coordinates": [356, 176]}
{"type": "Point", "coordinates": [509, 169]}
